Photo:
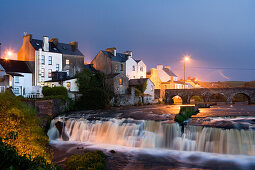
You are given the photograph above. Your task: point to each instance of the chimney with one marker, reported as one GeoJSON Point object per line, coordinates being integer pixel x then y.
{"type": "Point", "coordinates": [167, 67]}
{"type": "Point", "coordinates": [128, 53]}
{"type": "Point", "coordinates": [54, 41]}
{"type": "Point", "coordinates": [112, 50]}
{"type": "Point", "coordinates": [74, 45]}
{"type": "Point", "coordinates": [45, 43]}
{"type": "Point", "coordinates": [160, 67]}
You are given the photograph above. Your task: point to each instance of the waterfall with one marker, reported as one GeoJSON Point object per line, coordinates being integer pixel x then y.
{"type": "Point", "coordinates": [155, 134]}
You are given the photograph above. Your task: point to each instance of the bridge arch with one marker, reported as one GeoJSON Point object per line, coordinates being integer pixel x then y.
{"type": "Point", "coordinates": [218, 97]}
{"type": "Point", "coordinates": [241, 97]}
{"type": "Point", "coordinates": [196, 98]}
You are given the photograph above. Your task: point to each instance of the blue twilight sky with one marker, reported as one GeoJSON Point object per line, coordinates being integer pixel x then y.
{"type": "Point", "coordinates": [216, 33]}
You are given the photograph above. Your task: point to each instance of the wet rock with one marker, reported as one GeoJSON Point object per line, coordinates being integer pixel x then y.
{"type": "Point", "coordinates": [80, 148]}
{"type": "Point", "coordinates": [60, 127]}
{"type": "Point", "coordinates": [242, 125]}
{"type": "Point", "coordinates": [112, 151]}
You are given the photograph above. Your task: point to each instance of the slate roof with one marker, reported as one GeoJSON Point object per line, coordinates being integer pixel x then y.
{"type": "Point", "coordinates": [90, 67]}
{"type": "Point", "coordinates": [15, 66]}
{"type": "Point", "coordinates": [119, 56]}
{"type": "Point", "coordinates": [137, 61]}
{"type": "Point", "coordinates": [39, 44]}
{"type": "Point", "coordinates": [137, 82]}
{"type": "Point", "coordinates": [67, 49]}
{"type": "Point", "coordinates": [60, 48]}
{"type": "Point", "coordinates": [169, 72]}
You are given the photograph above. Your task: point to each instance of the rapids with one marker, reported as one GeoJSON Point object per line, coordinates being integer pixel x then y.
{"type": "Point", "coordinates": [155, 135]}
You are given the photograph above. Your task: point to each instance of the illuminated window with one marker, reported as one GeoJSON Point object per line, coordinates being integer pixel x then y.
{"type": "Point", "coordinates": [49, 73]}
{"type": "Point", "coordinates": [53, 85]}
{"type": "Point", "coordinates": [133, 68]}
{"type": "Point", "coordinates": [43, 59]}
{"type": "Point", "coordinates": [43, 72]}
{"type": "Point", "coordinates": [67, 62]}
{"type": "Point", "coordinates": [57, 67]}
{"type": "Point", "coordinates": [141, 77]}
{"type": "Point", "coordinates": [121, 81]}
{"type": "Point", "coordinates": [121, 67]}
{"type": "Point", "coordinates": [68, 85]}
{"type": "Point", "coordinates": [50, 60]}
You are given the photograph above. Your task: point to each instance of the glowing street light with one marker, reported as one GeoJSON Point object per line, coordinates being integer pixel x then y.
{"type": "Point", "coordinates": [186, 59]}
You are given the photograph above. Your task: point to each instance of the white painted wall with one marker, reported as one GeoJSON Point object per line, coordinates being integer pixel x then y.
{"type": "Point", "coordinates": [73, 85]}
{"type": "Point", "coordinates": [22, 85]}
{"type": "Point", "coordinates": [129, 68]}
{"type": "Point", "coordinates": [150, 88]}
{"type": "Point", "coordinates": [56, 59]}
{"type": "Point", "coordinates": [141, 71]}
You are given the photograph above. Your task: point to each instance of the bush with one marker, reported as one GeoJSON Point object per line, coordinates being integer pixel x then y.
{"type": "Point", "coordinates": [10, 159]}
{"type": "Point", "coordinates": [89, 160]}
{"type": "Point", "coordinates": [54, 91]}
{"type": "Point", "coordinates": [22, 120]}
{"type": "Point", "coordinates": [184, 114]}
{"type": "Point", "coordinates": [95, 98]}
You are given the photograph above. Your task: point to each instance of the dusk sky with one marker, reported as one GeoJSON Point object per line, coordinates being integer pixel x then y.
{"type": "Point", "coordinates": [216, 33]}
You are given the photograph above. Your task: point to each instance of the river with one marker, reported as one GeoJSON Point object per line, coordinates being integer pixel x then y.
{"type": "Point", "coordinates": [220, 137]}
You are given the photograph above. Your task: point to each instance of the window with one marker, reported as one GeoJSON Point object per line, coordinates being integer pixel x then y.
{"type": "Point", "coordinates": [133, 68]}
{"type": "Point", "coordinates": [43, 72]}
{"type": "Point", "coordinates": [141, 77]}
{"type": "Point", "coordinates": [49, 73]}
{"type": "Point", "coordinates": [67, 72]}
{"type": "Point", "coordinates": [16, 90]}
{"type": "Point", "coordinates": [16, 79]}
{"type": "Point", "coordinates": [121, 81]}
{"type": "Point", "coordinates": [67, 62]}
{"type": "Point", "coordinates": [57, 67]}
{"type": "Point", "coordinates": [53, 85]}
{"type": "Point", "coordinates": [50, 60]}
{"type": "Point", "coordinates": [43, 59]}
{"type": "Point", "coordinates": [151, 88]}
{"type": "Point", "coordinates": [121, 67]}
{"type": "Point", "coordinates": [141, 69]}
{"type": "Point", "coordinates": [68, 85]}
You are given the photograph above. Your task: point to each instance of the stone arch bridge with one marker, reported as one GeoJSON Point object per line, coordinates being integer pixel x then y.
{"type": "Point", "coordinates": [207, 93]}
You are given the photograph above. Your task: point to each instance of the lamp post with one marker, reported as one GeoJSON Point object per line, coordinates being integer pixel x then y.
{"type": "Point", "coordinates": [186, 58]}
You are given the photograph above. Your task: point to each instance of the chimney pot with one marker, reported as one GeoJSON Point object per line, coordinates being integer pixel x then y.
{"type": "Point", "coordinates": [45, 43]}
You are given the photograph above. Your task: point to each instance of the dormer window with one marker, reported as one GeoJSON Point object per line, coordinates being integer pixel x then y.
{"type": "Point", "coordinates": [133, 68]}
{"type": "Point", "coordinates": [141, 69]}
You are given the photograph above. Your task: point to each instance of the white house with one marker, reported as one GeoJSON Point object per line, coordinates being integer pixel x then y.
{"type": "Point", "coordinates": [135, 69]}
{"type": "Point", "coordinates": [17, 76]}
{"type": "Point", "coordinates": [149, 91]}
{"type": "Point", "coordinates": [141, 69]}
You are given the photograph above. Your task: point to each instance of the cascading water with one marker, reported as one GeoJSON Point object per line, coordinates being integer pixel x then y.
{"type": "Point", "coordinates": [152, 134]}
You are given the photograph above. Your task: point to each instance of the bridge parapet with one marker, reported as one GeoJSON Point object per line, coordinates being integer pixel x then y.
{"type": "Point", "coordinates": [206, 93]}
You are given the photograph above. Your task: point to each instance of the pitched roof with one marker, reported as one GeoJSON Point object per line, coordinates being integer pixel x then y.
{"type": "Point", "coordinates": [68, 49]}
{"type": "Point", "coordinates": [60, 48]}
{"type": "Point", "coordinates": [137, 61]}
{"type": "Point", "coordinates": [119, 56]}
{"type": "Point", "coordinates": [39, 44]}
{"type": "Point", "coordinates": [15, 66]}
{"type": "Point", "coordinates": [137, 82]}
{"type": "Point", "coordinates": [169, 72]}
{"type": "Point", "coordinates": [90, 67]}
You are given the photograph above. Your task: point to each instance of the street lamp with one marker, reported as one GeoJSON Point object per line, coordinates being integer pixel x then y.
{"type": "Point", "coordinates": [186, 59]}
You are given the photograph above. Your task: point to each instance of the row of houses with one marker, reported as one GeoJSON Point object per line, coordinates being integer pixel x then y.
{"type": "Point", "coordinates": [52, 63]}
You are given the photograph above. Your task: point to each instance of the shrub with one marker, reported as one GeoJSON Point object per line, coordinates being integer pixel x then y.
{"type": "Point", "coordinates": [184, 114]}
{"type": "Point", "coordinates": [21, 119]}
{"type": "Point", "coordinates": [10, 159]}
{"type": "Point", "coordinates": [89, 160]}
{"type": "Point", "coordinates": [55, 91]}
